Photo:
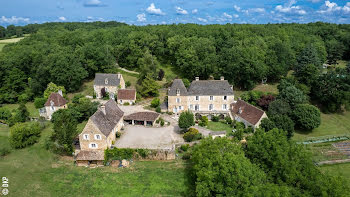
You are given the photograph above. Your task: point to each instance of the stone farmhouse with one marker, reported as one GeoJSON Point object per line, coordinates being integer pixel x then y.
{"type": "Point", "coordinates": [248, 114]}
{"type": "Point", "coordinates": [205, 97]}
{"type": "Point", "coordinates": [126, 96]}
{"type": "Point", "coordinates": [53, 103]}
{"type": "Point", "coordinates": [108, 83]}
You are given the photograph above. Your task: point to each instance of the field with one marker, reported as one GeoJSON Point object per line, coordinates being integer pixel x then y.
{"type": "Point", "coordinates": [331, 124]}
{"type": "Point", "coordinates": [8, 41]}
{"type": "Point", "coordinates": [33, 112]}
{"type": "Point", "coordinates": [34, 171]}
{"type": "Point", "coordinates": [338, 169]}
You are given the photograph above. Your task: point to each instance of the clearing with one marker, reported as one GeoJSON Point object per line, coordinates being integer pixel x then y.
{"type": "Point", "coordinates": [9, 41]}
{"type": "Point", "coordinates": [33, 112]}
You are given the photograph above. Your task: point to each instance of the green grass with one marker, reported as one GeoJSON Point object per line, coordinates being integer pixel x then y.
{"type": "Point", "coordinates": [331, 124]}
{"type": "Point", "coordinates": [34, 171]}
{"type": "Point", "coordinates": [325, 152]}
{"type": "Point", "coordinates": [342, 170]}
{"type": "Point", "coordinates": [219, 126]}
{"type": "Point", "coordinates": [33, 112]}
{"type": "Point", "coordinates": [4, 134]}
{"type": "Point", "coordinates": [267, 88]}
{"type": "Point", "coordinates": [2, 46]}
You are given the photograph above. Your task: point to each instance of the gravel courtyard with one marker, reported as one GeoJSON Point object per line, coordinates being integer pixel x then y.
{"type": "Point", "coordinates": [149, 137]}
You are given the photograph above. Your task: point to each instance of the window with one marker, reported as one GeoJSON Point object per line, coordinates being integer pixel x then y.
{"type": "Point", "coordinates": [211, 98]}
{"type": "Point", "coordinates": [178, 100]}
{"type": "Point", "coordinates": [180, 108]}
{"type": "Point", "coordinates": [211, 107]}
{"type": "Point", "coordinates": [92, 145]}
{"type": "Point", "coordinates": [224, 107]}
{"type": "Point", "coordinates": [191, 107]}
{"type": "Point", "coordinates": [98, 137]}
{"type": "Point", "coordinates": [197, 98]}
{"type": "Point", "coordinates": [86, 136]}
{"type": "Point", "coordinates": [225, 98]}
{"type": "Point", "coordinates": [52, 108]}
{"type": "Point", "coordinates": [106, 89]}
{"type": "Point", "coordinates": [196, 107]}
{"type": "Point", "coordinates": [178, 91]}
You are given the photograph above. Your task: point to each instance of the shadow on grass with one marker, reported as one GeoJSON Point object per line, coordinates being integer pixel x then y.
{"type": "Point", "coordinates": [189, 180]}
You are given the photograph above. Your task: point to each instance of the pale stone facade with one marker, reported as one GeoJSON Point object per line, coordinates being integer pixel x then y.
{"type": "Point", "coordinates": [51, 109]}
{"type": "Point", "coordinates": [109, 82]}
{"type": "Point", "coordinates": [206, 97]}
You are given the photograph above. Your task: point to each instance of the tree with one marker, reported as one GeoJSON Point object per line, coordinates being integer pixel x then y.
{"type": "Point", "coordinates": [161, 74]}
{"type": "Point", "coordinates": [39, 102]}
{"type": "Point", "coordinates": [155, 103]}
{"type": "Point", "coordinates": [21, 115]}
{"type": "Point", "coordinates": [191, 135]}
{"type": "Point", "coordinates": [149, 87]}
{"type": "Point", "coordinates": [309, 55]}
{"type": "Point", "coordinates": [267, 124]}
{"type": "Point", "coordinates": [186, 120]}
{"type": "Point", "coordinates": [279, 107]}
{"type": "Point", "coordinates": [220, 168]}
{"type": "Point", "coordinates": [292, 95]}
{"type": "Point", "coordinates": [65, 130]}
{"type": "Point", "coordinates": [24, 134]}
{"type": "Point", "coordinates": [306, 116]}
{"type": "Point", "coordinates": [287, 163]}
{"type": "Point", "coordinates": [265, 101]}
{"type": "Point", "coordinates": [285, 123]}
{"type": "Point", "coordinates": [335, 50]}
{"type": "Point", "coordinates": [307, 74]}
{"type": "Point", "coordinates": [148, 65]}
{"type": "Point", "coordinates": [82, 108]}
{"type": "Point", "coordinates": [53, 88]}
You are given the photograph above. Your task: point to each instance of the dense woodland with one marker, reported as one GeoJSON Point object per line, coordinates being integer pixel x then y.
{"type": "Point", "coordinates": [68, 53]}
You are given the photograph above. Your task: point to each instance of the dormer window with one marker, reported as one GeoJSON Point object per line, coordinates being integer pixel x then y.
{"type": "Point", "coordinates": [86, 137]}
{"type": "Point", "coordinates": [98, 137]}
{"type": "Point", "coordinates": [178, 91]}
{"type": "Point", "coordinates": [106, 81]}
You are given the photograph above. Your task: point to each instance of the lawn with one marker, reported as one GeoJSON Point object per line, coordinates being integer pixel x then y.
{"type": "Point", "coordinates": [338, 169]}
{"type": "Point", "coordinates": [34, 171]}
{"type": "Point", "coordinates": [331, 124]}
{"type": "Point", "coordinates": [2, 46]}
{"type": "Point", "coordinates": [33, 112]}
{"type": "Point", "coordinates": [267, 88]}
{"type": "Point", "coordinates": [219, 126]}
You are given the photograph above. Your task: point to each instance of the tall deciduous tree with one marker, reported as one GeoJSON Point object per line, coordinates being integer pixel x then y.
{"type": "Point", "coordinates": [306, 116]}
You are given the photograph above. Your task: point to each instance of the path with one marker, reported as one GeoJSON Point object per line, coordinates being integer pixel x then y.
{"type": "Point", "coordinates": [129, 71]}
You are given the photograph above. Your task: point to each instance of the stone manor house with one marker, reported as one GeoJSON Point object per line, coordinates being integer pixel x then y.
{"type": "Point", "coordinates": [108, 83]}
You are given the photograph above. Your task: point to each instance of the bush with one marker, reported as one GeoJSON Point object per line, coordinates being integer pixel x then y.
{"type": "Point", "coordinates": [5, 114]}
{"type": "Point", "coordinates": [24, 134]}
{"type": "Point", "coordinates": [158, 109]}
{"type": "Point", "coordinates": [306, 116]}
{"type": "Point", "coordinates": [184, 147]}
{"type": "Point", "coordinates": [285, 123]}
{"type": "Point", "coordinates": [21, 115]}
{"type": "Point", "coordinates": [155, 102]}
{"type": "Point", "coordinates": [127, 84]}
{"type": "Point", "coordinates": [162, 122]}
{"type": "Point", "coordinates": [118, 134]}
{"type": "Point", "coordinates": [126, 104]}
{"type": "Point", "coordinates": [106, 96]}
{"type": "Point", "coordinates": [186, 156]}
{"type": "Point", "coordinates": [228, 120]}
{"type": "Point", "coordinates": [4, 151]}
{"type": "Point", "coordinates": [204, 121]}
{"type": "Point", "coordinates": [191, 135]}
{"type": "Point", "coordinates": [279, 107]}
{"type": "Point", "coordinates": [186, 120]}
{"type": "Point", "coordinates": [39, 102]}
{"type": "Point", "coordinates": [215, 118]}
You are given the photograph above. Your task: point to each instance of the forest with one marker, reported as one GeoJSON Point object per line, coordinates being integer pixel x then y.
{"type": "Point", "coordinates": [245, 54]}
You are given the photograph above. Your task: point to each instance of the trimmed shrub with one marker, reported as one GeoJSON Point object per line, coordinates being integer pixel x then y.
{"type": "Point", "coordinates": [215, 118]}
{"type": "Point", "coordinates": [204, 121]}
{"type": "Point", "coordinates": [192, 134]}
{"type": "Point", "coordinates": [126, 104]}
{"type": "Point", "coordinates": [162, 122]}
{"type": "Point", "coordinates": [306, 116]}
{"type": "Point", "coordinates": [24, 134]}
{"type": "Point", "coordinates": [186, 120]}
{"type": "Point", "coordinates": [184, 147]}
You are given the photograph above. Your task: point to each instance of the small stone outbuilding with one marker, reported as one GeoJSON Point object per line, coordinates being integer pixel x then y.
{"type": "Point", "coordinates": [53, 103]}
{"type": "Point", "coordinates": [90, 158]}
{"type": "Point", "coordinates": [126, 96]}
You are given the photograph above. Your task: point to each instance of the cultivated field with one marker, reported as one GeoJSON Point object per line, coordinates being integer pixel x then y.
{"type": "Point", "coordinates": [9, 41]}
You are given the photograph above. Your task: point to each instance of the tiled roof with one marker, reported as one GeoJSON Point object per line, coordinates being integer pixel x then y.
{"type": "Point", "coordinates": [142, 116]}
{"type": "Point", "coordinates": [57, 100]}
{"type": "Point", "coordinates": [210, 87]}
{"type": "Point", "coordinates": [126, 94]}
{"type": "Point", "coordinates": [177, 85]}
{"type": "Point", "coordinates": [248, 112]}
{"type": "Point", "coordinates": [90, 155]}
{"type": "Point", "coordinates": [112, 79]}
{"type": "Point", "coordinates": [106, 122]}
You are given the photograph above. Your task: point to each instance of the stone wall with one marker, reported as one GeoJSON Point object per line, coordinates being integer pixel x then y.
{"type": "Point", "coordinates": [161, 154]}
{"type": "Point", "coordinates": [91, 130]}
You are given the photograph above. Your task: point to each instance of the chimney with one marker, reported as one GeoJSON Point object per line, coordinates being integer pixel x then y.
{"type": "Point", "coordinates": [103, 109]}
{"type": "Point", "coordinates": [222, 78]}
{"type": "Point", "coordinates": [240, 110]}
{"type": "Point", "coordinates": [60, 92]}
{"type": "Point", "coordinates": [118, 75]}
{"type": "Point", "coordinates": [197, 78]}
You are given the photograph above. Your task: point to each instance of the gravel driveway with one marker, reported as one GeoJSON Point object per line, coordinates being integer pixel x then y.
{"type": "Point", "coordinates": [149, 137]}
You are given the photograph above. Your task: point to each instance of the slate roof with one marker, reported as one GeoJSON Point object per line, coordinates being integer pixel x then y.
{"type": "Point", "coordinates": [249, 112]}
{"type": "Point", "coordinates": [106, 122]}
{"type": "Point", "coordinates": [210, 88]}
{"type": "Point", "coordinates": [142, 116]}
{"type": "Point", "coordinates": [127, 94]}
{"type": "Point", "coordinates": [177, 84]}
{"type": "Point", "coordinates": [57, 100]}
{"type": "Point", "coordinates": [90, 155]}
{"type": "Point", "coordinates": [112, 79]}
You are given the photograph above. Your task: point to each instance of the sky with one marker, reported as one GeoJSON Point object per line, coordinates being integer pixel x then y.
{"type": "Point", "coordinates": [143, 12]}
